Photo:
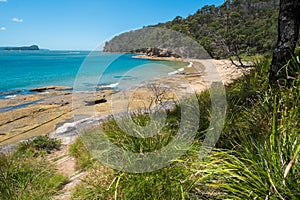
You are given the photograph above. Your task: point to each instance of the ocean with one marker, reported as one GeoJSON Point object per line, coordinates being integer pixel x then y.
{"type": "Point", "coordinates": [22, 70]}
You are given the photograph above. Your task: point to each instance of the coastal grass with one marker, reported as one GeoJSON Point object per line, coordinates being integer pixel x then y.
{"type": "Point", "coordinates": [257, 156]}
{"type": "Point", "coordinates": [170, 182]}
{"type": "Point", "coordinates": [263, 161]}
{"type": "Point", "coordinates": [84, 160]}
{"type": "Point", "coordinates": [27, 174]}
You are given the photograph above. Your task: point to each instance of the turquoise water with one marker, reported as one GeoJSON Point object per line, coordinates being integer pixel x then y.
{"type": "Point", "coordinates": [22, 70]}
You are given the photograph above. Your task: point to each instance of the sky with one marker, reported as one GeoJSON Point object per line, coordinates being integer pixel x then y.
{"type": "Point", "coordinates": [84, 24]}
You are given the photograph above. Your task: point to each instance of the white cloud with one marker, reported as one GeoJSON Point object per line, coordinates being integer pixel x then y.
{"type": "Point", "coordinates": [16, 19]}
{"type": "Point", "coordinates": [2, 28]}
{"type": "Point", "coordinates": [3, 1]}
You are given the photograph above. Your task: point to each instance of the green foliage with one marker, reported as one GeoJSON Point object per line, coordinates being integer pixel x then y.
{"type": "Point", "coordinates": [263, 132]}
{"type": "Point", "coordinates": [83, 157]}
{"type": "Point", "coordinates": [28, 178]}
{"type": "Point", "coordinates": [26, 174]}
{"type": "Point", "coordinates": [171, 182]}
{"type": "Point", "coordinates": [39, 145]}
{"type": "Point", "coordinates": [138, 41]}
{"type": "Point", "coordinates": [167, 183]}
{"type": "Point", "coordinates": [237, 27]}
{"type": "Point", "coordinates": [140, 144]}
{"type": "Point", "coordinates": [96, 185]}
{"type": "Point", "coordinates": [244, 27]}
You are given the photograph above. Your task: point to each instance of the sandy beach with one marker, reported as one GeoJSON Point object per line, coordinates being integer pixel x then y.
{"type": "Point", "coordinates": [51, 111]}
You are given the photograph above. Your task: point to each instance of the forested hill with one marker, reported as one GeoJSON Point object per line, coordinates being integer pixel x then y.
{"type": "Point", "coordinates": [243, 27]}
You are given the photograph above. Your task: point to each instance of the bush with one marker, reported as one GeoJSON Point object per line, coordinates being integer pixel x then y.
{"type": "Point", "coordinates": [38, 145]}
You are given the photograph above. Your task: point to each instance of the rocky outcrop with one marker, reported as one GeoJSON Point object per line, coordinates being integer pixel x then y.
{"type": "Point", "coordinates": [156, 52]}
{"type": "Point", "coordinates": [96, 99]}
{"type": "Point", "coordinates": [161, 53]}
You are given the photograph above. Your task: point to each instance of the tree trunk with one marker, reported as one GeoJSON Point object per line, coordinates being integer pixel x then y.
{"type": "Point", "coordinates": [288, 32]}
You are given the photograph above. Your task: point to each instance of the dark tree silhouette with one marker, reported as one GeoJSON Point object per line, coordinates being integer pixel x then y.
{"type": "Point", "coordinates": [288, 33]}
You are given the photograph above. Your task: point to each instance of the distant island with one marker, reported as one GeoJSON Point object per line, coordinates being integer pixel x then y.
{"type": "Point", "coordinates": [23, 48]}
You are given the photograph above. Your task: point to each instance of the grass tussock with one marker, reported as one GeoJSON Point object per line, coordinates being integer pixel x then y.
{"type": "Point", "coordinates": [84, 159]}
{"type": "Point", "coordinates": [26, 174]}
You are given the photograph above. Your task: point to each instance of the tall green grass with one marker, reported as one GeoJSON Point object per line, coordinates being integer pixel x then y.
{"type": "Point", "coordinates": [264, 130]}
{"type": "Point", "coordinates": [170, 182]}
{"type": "Point", "coordinates": [26, 174]}
{"type": "Point", "coordinates": [84, 160]}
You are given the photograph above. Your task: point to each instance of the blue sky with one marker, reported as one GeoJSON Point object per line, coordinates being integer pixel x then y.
{"type": "Point", "coordinates": [83, 24]}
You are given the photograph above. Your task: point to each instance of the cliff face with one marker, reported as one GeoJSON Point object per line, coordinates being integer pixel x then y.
{"type": "Point", "coordinates": [25, 48]}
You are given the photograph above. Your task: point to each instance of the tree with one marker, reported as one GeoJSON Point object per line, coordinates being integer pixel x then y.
{"type": "Point", "coordinates": [288, 33]}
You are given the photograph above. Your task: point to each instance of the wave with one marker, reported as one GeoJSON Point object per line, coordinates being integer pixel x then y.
{"type": "Point", "coordinates": [181, 69]}
{"type": "Point", "coordinates": [10, 96]}
{"type": "Point", "coordinates": [176, 72]}
{"type": "Point", "coordinates": [72, 128]}
{"type": "Point", "coordinates": [73, 52]}
{"type": "Point", "coordinates": [113, 85]}
{"type": "Point", "coordinates": [67, 126]}
{"type": "Point", "coordinates": [173, 73]}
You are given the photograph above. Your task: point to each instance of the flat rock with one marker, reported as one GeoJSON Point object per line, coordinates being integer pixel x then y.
{"type": "Point", "coordinates": [46, 88]}
{"type": "Point", "coordinates": [95, 101]}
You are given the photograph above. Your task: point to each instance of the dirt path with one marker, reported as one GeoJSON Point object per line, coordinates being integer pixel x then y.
{"type": "Point", "coordinates": [66, 165]}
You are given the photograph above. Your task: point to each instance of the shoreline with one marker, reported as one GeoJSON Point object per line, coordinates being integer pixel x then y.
{"type": "Point", "coordinates": [54, 109]}
{"type": "Point", "coordinates": [142, 56]}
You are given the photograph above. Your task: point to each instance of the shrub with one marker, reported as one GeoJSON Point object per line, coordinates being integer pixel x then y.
{"type": "Point", "coordinates": [39, 145]}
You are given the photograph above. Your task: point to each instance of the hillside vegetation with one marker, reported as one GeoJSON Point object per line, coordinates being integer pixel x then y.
{"type": "Point", "coordinates": [238, 27]}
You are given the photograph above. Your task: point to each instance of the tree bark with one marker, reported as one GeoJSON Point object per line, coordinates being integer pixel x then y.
{"type": "Point", "coordinates": [288, 33]}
